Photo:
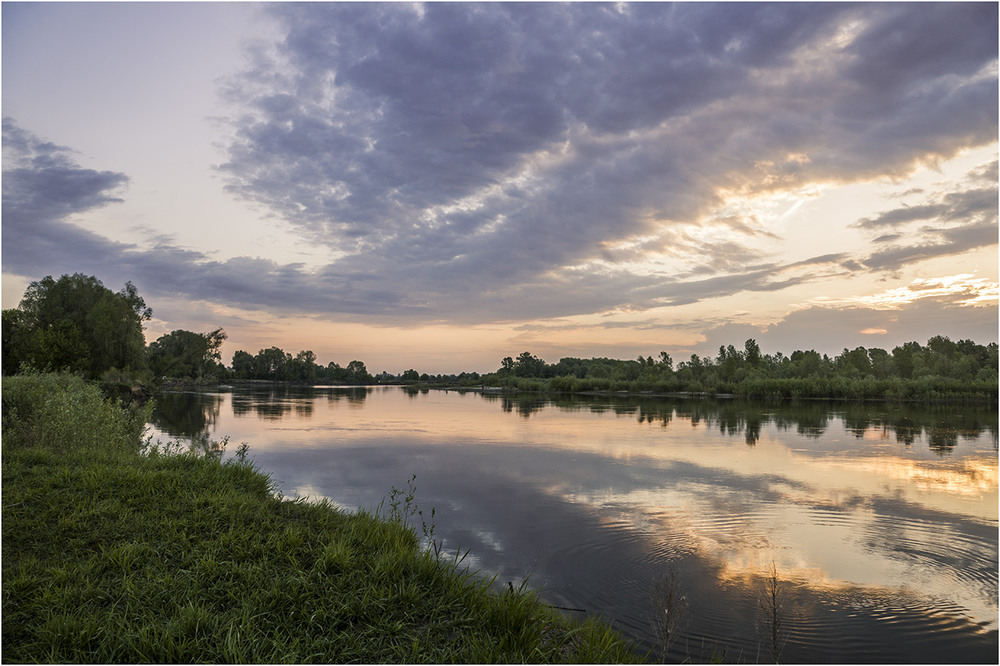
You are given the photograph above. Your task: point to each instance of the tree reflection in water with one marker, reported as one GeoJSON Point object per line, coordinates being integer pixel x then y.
{"type": "Point", "coordinates": [879, 517]}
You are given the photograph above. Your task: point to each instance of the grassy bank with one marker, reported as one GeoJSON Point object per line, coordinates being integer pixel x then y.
{"type": "Point", "coordinates": [115, 555]}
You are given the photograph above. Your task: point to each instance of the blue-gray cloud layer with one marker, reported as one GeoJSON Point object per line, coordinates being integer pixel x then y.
{"type": "Point", "coordinates": [43, 186]}
{"type": "Point", "coordinates": [469, 162]}
{"type": "Point", "coordinates": [950, 222]}
{"type": "Point", "coordinates": [464, 150]}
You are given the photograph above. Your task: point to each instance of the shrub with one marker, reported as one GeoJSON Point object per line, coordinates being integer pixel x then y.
{"type": "Point", "coordinates": [62, 412]}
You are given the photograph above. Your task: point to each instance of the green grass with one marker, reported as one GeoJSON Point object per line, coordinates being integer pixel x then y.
{"type": "Point", "coordinates": [114, 555]}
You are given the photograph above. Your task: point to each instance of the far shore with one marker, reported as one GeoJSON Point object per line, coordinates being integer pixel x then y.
{"type": "Point", "coordinates": [174, 383]}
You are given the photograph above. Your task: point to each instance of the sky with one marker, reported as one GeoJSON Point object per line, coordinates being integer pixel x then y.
{"type": "Point", "coordinates": [437, 186]}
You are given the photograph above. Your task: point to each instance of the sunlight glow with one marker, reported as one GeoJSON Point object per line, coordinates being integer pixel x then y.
{"type": "Point", "coordinates": [978, 291]}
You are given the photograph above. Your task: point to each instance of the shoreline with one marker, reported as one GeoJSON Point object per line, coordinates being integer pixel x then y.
{"type": "Point", "coordinates": [629, 393]}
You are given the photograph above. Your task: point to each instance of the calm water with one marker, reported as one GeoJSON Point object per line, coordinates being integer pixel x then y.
{"type": "Point", "coordinates": [880, 520]}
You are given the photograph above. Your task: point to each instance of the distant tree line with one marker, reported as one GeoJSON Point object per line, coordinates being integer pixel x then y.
{"type": "Point", "coordinates": [77, 324]}
{"type": "Point", "coordinates": [274, 364]}
{"type": "Point", "coordinates": [941, 369]}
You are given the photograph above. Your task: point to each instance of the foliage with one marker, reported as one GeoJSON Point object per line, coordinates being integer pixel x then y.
{"type": "Point", "coordinates": [115, 556]}
{"type": "Point", "coordinates": [274, 364]}
{"type": "Point", "coordinates": [127, 386]}
{"type": "Point", "coordinates": [940, 370]}
{"type": "Point", "coordinates": [77, 324]}
{"type": "Point", "coordinates": [185, 354]}
{"type": "Point", "coordinates": [63, 412]}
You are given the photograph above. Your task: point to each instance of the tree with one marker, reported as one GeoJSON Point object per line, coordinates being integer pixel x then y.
{"type": "Point", "coordinates": [271, 363]}
{"type": "Point", "coordinates": [15, 339]}
{"type": "Point", "coordinates": [528, 365]}
{"type": "Point", "coordinates": [242, 365]}
{"type": "Point", "coordinates": [410, 376]}
{"type": "Point", "coordinates": [904, 358]}
{"type": "Point", "coordinates": [335, 373]}
{"type": "Point", "coordinates": [507, 364]}
{"type": "Point", "coordinates": [751, 353]}
{"type": "Point", "coordinates": [75, 323]}
{"type": "Point", "coordinates": [855, 362]}
{"type": "Point", "coordinates": [357, 373]}
{"type": "Point", "coordinates": [183, 353]}
{"type": "Point", "coordinates": [882, 366]}
{"type": "Point", "coordinates": [303, 367]}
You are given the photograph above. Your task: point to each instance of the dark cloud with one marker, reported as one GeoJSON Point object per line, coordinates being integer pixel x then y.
{"type": "Point", "coordinates": [905, 46]}
{"type": "Point", "coordinates": [40, 239]}
{"type": "Point", "coordinates": [955, 221]}
{"type": "Point", "coordinates": [488, 162]}
{"type": "Point", "coordinates": [760, 278]}
{"type": "Point", "coordinates": [970, 205]}
{"type": "Point", "coordinates": [454, 148]}
{"type": "Point", "coordinates": [988, 173]}
{"type": "Point", "coordinates": [937, 242]}
{"type": "Point", "coordinates": [43, 186]}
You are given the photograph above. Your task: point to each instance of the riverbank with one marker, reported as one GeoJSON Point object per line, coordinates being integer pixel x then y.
{"type": "Point", "coordinates": [115, 554]}
{"type": "Point", "coordinates": [922, 390]}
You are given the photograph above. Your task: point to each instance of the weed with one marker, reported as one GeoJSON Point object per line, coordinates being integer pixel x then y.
{"type": "Point", "coordinates": [771, 621]}
{"type": "Point", "coordinates": [670, 606]}
{"type": "Point", "coordinates": [403, 507]}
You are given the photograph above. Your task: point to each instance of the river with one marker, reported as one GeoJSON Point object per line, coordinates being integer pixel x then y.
{"type": "Point", "coordinates": [874, 525]}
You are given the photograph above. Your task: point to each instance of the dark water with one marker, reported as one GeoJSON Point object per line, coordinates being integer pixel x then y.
{"type": "Point", "coordinates": [880, 521]}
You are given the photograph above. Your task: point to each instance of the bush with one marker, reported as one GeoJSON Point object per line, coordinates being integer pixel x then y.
{"type": "Point", "coordinates": [62, 411]}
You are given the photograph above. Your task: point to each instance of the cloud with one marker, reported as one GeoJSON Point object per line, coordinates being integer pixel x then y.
{"type": "Point", "coordinates": [956, 221]}
{"type": "Point", "coordinates": [43, 186]}
{"type": "Point", "coordinates": [957, 217]}
{"type": "Point", "coordinates": [968, 201]}
{"type": "Point", "coordinates": [453, 150]}
{"type": "Point", "coordinates": [492, 162]}
{"type": "Point", "coordinates": [829, 329]}
{"type": "Point", "coordinates": [951, 241]}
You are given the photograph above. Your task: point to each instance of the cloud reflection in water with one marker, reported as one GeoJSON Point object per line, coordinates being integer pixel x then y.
{"type": "Point", "coordinates": [888, 548]}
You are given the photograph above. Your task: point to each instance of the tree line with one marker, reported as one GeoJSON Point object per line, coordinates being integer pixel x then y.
{"type": "Point", "coordinates": [940, 369]}
{"type": "Point", "coordinates": [78, 325]}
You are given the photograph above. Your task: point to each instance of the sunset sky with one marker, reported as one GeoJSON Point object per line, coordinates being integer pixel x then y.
{"type": "Point", "coordinates": [439, 186]}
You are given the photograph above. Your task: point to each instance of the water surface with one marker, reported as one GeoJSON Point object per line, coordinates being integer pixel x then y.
{"type": "Point", "coordinates": [880, 520]}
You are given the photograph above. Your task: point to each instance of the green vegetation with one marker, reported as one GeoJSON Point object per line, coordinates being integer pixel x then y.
{"type": "Point", "coordinates": [77, 324]}
{"type": "Point", "coordinates": [185, 354]}
{"type": "Point", "coordinates": [113, 552]}
{"type": "Point", "coordinates": [274, 364]}
{"type": "Point", "coordinates": [940, 370]}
